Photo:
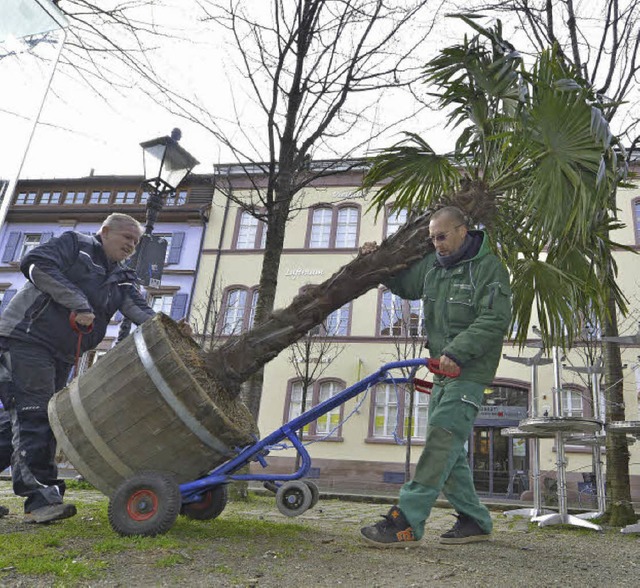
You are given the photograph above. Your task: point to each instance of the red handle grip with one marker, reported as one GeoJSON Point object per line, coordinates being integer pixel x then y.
{"type": "Point", "coordinates": [434, 368]}
{"type": "Point", "coordinates": [79, 328]}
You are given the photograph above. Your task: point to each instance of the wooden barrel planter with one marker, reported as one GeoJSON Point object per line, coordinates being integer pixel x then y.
{"type": "Point", "coordinates": [148, 404]}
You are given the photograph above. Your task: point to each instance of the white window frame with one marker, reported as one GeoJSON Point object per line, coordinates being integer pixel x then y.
{"type": "Point", "coordinates": [317, 393]}
{"type": "Point", "coordinates": [337, 323]}
{"type": "Point", "coordinates": [346, 227]}
{"type": "Point", "coordinates": [125, 197]}
{"type": "Point", "coordinates": [29, 242]}
{"type": "Point", "coordinates": [26, 198]}
{"type": "Point", "coordinates": [321, 224]}
{"type": "Point", "coordinates": [390, 408]}
{"type": "Point", "coordinates": [572, 403]}
{"type": "Point", "coordinates": [100, 197]}
{"type": "Point", "coordinates": [161, 302]}
{"type": "Point", "coordinates": [248, 230]}
{"type": "Point", "coordinates": [234, 311]}
{"type": "Point", "coordinates": [395, 220]}
{"type": "Point", "coordinates": [48, 197]}
{"type": "Point", "coordinates": [393, 309]}
{"type": "Point", "coordinates": [177, 198]}
{"type": "Point", "coordinates": [74, 197]}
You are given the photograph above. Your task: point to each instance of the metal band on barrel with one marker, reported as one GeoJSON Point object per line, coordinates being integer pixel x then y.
{"type": "Point", "coordinates": [172, 400]}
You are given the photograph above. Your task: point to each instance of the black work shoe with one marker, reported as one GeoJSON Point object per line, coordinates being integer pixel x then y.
{"type": "Point", "coordinates": [49, 513]}
{"type": "Point", "coordinates": [466, 530]}
{"type": "Point", "coordinates": [392, 531]}
{"type": "Point", "coordinates": [4, 511]}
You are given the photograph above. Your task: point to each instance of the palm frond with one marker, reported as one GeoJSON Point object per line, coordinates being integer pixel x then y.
{"type": "Point", "coordinates": [411, 176]}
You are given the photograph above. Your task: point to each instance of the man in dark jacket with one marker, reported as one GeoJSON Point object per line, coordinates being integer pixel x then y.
{"type": "Point", "coordinates": [467, 310]}
{"type": "Point", "coordinates": [77, 276]}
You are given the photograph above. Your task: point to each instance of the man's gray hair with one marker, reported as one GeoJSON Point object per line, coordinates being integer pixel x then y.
{"type": "Point", "coordinates": [452, 212]}
{"type": "Point", "coordinates": [119, 220]}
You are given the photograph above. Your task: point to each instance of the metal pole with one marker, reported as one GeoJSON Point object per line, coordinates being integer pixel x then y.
{"type": "Point", "coordinates": [8, 195]}
{"type": "Point", "coordinates": [154, 206]}
{"type": "Point", "coordinates": [597, 449]}
{"type": "Point", "coordinates": [560, 453]}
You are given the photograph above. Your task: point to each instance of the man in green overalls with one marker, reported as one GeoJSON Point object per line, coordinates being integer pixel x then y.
{"type": "Point", "coordinates": [467, 311]}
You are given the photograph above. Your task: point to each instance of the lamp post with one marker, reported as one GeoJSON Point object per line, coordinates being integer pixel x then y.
{"type": "Point", "coordinates": [166, 165]}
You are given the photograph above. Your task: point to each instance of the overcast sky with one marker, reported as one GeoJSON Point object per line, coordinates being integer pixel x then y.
{"type": "Point", "coordinates": [80, 130]}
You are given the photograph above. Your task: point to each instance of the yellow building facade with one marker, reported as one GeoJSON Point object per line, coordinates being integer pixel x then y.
{"type": "Point", "coordinates": [361, 446]}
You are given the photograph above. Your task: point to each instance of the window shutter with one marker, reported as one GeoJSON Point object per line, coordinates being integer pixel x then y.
{"type": "Point", "coordinates": [45, 237]}
{"type": "Point", "coordinates": [11, 247]}
{"type": "Point", "coordinates": [179, 306]}
{"type": "Point", "coordinates": [8, 295]}
{"type": "Point", "coordinates": [177, 239]}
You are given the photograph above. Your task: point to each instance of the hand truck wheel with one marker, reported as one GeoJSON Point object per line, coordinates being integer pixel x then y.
{"type": "Point", "coordinates": [293, 498]}
{"type": "Point", "coordinates": [209, 507]}
{"type": "Point", "coordinates": [148, 503]}
{"type": "Point", "coordinates": [315, 492]}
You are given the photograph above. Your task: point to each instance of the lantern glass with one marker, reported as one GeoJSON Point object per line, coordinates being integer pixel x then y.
{"type": "Point", "coordinates": [166, 164]}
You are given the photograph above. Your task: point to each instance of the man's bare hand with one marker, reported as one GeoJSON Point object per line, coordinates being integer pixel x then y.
{"type": "Point", "coordinates": [368, 247]}
{"type": "Point", "coordinates": [85, 319]}
{"type": "Point", "coordinates": [448, 366]}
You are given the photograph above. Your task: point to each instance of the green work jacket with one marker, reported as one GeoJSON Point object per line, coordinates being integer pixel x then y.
{"type": "Point", "coordinates": [467, 308]}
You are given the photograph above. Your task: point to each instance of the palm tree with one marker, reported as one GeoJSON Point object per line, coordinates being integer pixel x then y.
{"type": "Point", "coordinates": [535, 162]}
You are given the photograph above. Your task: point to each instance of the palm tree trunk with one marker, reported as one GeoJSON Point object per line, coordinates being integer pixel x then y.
{"type": "Point", "coordinates": [619, 509]}
{"type": "Point", "coordinates": [241, 357]}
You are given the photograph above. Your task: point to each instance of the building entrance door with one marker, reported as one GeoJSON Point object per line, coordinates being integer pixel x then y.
{"type": "Point", "coordinates": [499, 464]}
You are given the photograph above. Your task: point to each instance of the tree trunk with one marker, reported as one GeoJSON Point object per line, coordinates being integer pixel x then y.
{"type": "Point", "coordinates": [243, 356]}
{"type": "Point", "coordinates": [619, 508]}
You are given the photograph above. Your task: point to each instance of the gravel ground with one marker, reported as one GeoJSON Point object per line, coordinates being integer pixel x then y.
{"type": "Point", "coordinates": [253, 545]}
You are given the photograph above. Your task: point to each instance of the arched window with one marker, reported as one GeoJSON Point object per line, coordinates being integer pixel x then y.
{"type": "Point", "coordinates": [398, 317]}
{"type": "Point", "coordinates": [333, 227]}
{"type": "Point", "coordinates": [394, 220]}
{"type": "Point", "coordinates": [316, 393]}
{"type": "Point", "coordinates": [391, 413]}
{"type": "Point", "coordinates": [251, 233]}
{"type": "Point", "coordinates": [238, 310]}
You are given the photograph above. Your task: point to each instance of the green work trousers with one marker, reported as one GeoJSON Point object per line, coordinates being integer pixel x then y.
{"type": "Point", "coordinates": [443, 465]}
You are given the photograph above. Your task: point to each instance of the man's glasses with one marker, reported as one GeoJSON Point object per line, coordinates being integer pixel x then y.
{"type": "Point", "coordinates": [440, 237]}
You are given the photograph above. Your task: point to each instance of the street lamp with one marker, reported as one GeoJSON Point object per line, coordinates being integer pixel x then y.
{"type": "Point", "coordinates": [166, 165]}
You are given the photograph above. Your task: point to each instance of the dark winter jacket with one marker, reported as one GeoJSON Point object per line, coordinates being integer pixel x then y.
{"type": "Point", "coordinates": [65, 274]}
{"type": "Point", "coordinates": [467, 307]}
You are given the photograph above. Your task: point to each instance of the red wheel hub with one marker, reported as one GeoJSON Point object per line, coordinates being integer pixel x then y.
{"type": "Point", "coordinates": [142, 505]}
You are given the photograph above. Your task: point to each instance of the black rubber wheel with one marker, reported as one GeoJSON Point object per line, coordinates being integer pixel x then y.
{"type": "Point", "coordinates": [211, 506]}
{"type": "Point", "coordinates": [293, 498]}
{"type": "Point", "coordinates": [315, 492]}
{"type": "Point", "coordinates": [148, 503]}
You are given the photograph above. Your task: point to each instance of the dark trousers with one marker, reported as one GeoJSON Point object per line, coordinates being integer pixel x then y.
{"type": "Point", "coordinates": [29, 376]}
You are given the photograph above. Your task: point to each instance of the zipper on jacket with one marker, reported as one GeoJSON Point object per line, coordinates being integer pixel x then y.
{"type": "Point", "coordinates": [491, 297]}
{"type": "Point", "coordinates": [464, 399]}
{"type": "Point", "coordinates": [36, 314]}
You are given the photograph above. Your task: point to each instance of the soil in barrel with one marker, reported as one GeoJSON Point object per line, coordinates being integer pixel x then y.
{"type": "Point", "coordinates": [193, 358]}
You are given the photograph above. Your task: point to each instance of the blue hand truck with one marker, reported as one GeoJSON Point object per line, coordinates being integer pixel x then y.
{"type": "Point", "coordinates": [148, 503]}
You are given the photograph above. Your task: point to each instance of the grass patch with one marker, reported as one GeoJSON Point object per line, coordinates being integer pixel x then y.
{"type": "Point", "coordinates": [73, 484]}
{"type": "Point", "coordinates": [171, 560]}
{"type": "Point", "coordinates": [78, 549]}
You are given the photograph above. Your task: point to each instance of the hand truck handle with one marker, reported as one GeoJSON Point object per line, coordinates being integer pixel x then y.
{"type": "Point", "coordinates": [434, 368]}
{"type": "Point", "coordinates": [80, 329]}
